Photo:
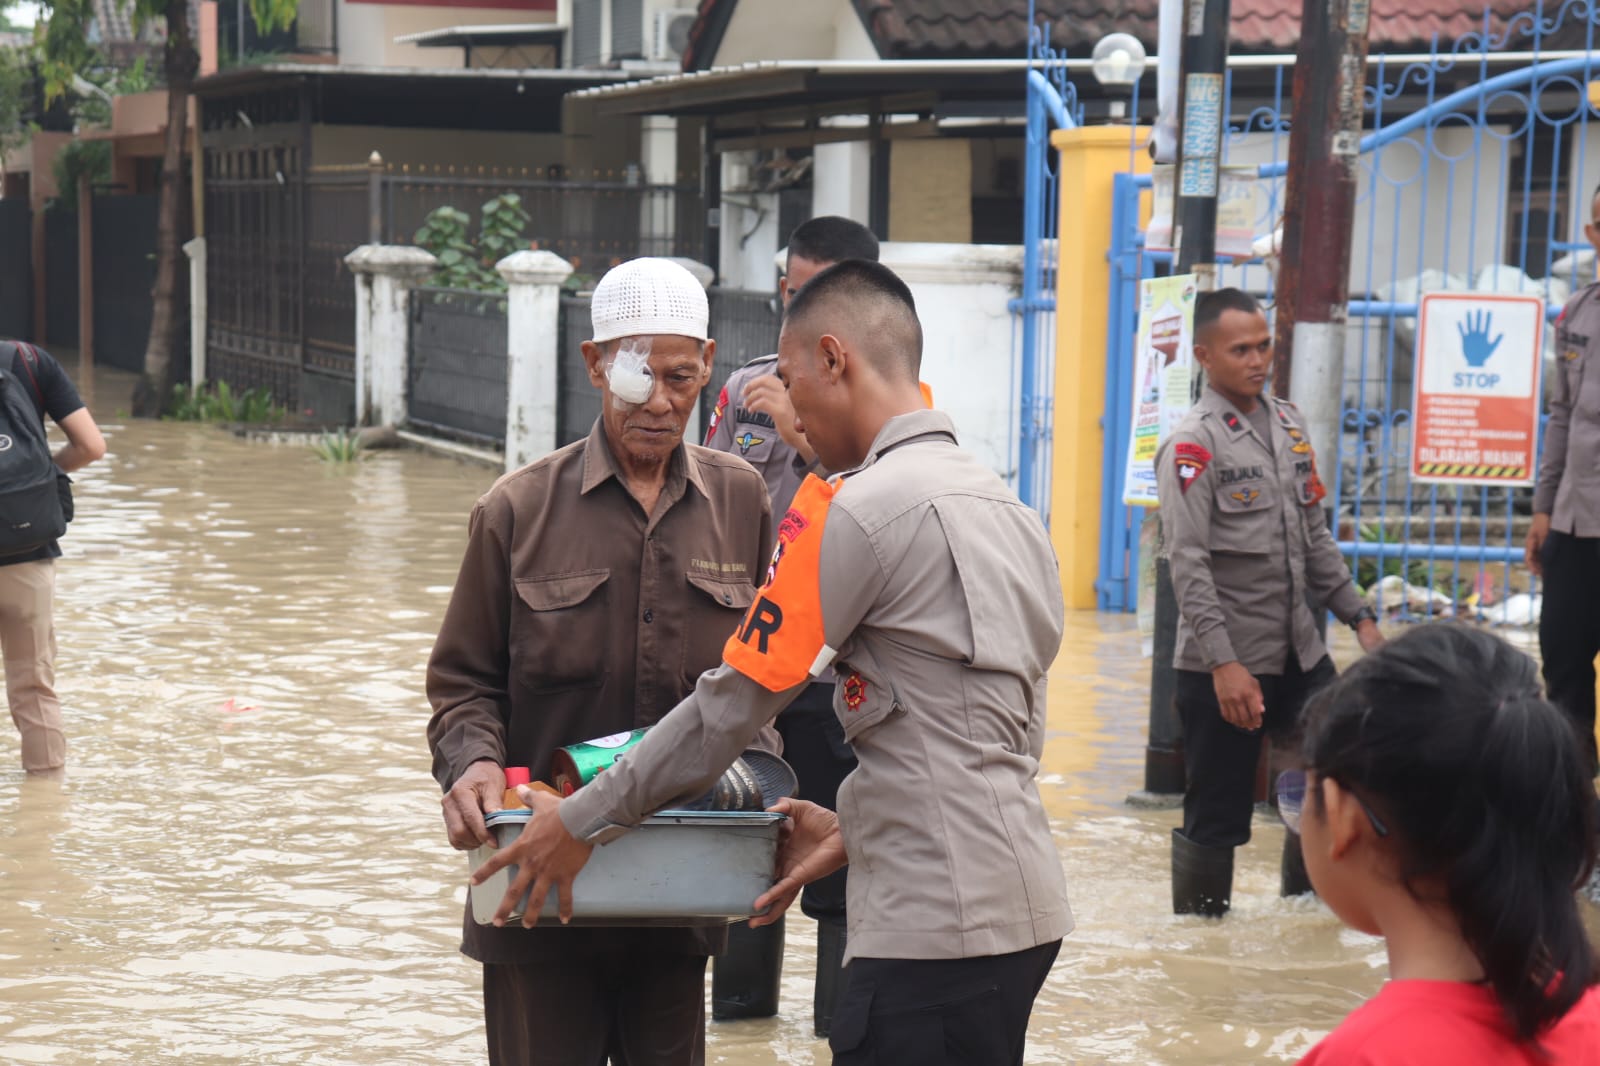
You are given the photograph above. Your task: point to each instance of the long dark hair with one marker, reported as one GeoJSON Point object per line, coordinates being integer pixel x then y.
{"type": "Point", "coordinates": [1445, 733]}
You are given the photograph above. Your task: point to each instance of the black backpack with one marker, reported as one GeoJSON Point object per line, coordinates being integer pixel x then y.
{"type": "Point", "coordinates": [35, 497]}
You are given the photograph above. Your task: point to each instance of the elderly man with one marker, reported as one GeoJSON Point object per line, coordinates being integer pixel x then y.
{"type": "Point", "coordinates": [598, 583]}
{"type": "Point", "coordinates": [934, 593]}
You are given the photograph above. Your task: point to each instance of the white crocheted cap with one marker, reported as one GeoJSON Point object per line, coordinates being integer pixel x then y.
{"type": "Point", "coordinates": [648, 297]}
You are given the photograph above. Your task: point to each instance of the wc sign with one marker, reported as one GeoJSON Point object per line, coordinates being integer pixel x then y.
{"type": "Point", "coordinates": [1475, 402]}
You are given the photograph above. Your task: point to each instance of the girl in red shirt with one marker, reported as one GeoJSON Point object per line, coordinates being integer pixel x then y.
{"type": "Point", "coordinates": [1446, 807]}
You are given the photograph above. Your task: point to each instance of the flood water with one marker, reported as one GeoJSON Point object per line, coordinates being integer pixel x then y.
{"type": "Point", "coordinates": [245, 862]}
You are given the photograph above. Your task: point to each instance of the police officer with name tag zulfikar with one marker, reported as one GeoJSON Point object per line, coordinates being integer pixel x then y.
{"type": "Point", "coordinates": [1242, 521]}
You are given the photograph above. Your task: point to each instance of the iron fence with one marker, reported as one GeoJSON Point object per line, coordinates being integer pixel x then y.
{"type": "Point", "coordinates": [745, 327]}
{"type": "Point", "coordinates": [592, 224]}
{"type": "Point", "coordinates": [281, 302]}
{"type": "Point", "coordinates": [456, 372]}
{"type": "Point", "coordinates": [578, 402]}
{"type": "Point", "coordinates": [1474, 175]}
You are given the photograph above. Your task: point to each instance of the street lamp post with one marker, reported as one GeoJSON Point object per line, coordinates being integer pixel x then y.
{"type": "Point", "coordinates": [1119, 60]}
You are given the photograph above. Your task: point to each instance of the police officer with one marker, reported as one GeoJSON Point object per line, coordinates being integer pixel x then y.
{"type": "Point", "coordinates": [754, 420]}
{"type": "Point", "coordinates": [1563, 544]}
{"type": "Point", "coordinates": [1241, 517]}
{"type": "Point", "coordinates": [934, 593]}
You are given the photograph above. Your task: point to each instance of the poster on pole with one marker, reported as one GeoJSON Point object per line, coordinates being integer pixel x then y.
{"type": "Point", "coordinates": [1475, 400]}
{"type": "Point", "coordinates": [1237, 212]}
{"type": "Point", "coordinates": [1163, 377]}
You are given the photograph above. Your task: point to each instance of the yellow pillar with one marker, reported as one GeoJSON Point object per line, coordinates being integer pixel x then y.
{"type": "Point", "coordinates": [1089, 160]}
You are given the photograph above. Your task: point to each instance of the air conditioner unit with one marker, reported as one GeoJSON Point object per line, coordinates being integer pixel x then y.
{"type": "Point", "coordinates": [671, 37]}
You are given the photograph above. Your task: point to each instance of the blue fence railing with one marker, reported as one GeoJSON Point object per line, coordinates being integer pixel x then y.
{"type": "Point", "coordinates": [1482, 187]}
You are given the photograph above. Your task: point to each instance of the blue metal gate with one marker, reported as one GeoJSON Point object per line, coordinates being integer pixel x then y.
{"type": "Point", "coordinates": [1052, 104]}
{"type": "Point", "coordinates": [1476, 175]}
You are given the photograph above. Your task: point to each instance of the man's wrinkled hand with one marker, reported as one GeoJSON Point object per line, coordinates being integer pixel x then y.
{"type": "Point", "coordinates": [546, 857]}
{"type": "Point", "coordinates": [767, 396]}
{"type": "Point", "coordinates": [476, 792]}
{"type": "Point", "coordinates": [1239, 695]}
{"type": "Point", "coordinates": [810, 848]}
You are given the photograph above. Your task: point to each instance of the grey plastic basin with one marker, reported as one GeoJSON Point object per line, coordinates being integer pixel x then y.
{"type": "Point", "coordinates": [677, 868]}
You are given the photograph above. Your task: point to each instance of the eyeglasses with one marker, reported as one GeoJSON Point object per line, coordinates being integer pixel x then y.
{"type": "Point", "coordinates": [1292, 801]}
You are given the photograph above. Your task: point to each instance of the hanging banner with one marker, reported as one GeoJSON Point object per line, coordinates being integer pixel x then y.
{"type": "Point", "coordinates": [1475, 402]}
{"type": "Point", "coordinates": [1163, 378]}
{"type": "Point", "coordinates": [1236, 212]}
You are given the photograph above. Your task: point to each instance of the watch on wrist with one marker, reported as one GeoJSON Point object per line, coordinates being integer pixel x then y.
{"type": "Point", "coordinates": [1366, 614]}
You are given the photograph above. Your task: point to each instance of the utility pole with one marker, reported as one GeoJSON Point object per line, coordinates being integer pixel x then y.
{"type": "Point", "coordinates": [1319, 199]}
{"type": "Point", "coordinates": [1201, 106]}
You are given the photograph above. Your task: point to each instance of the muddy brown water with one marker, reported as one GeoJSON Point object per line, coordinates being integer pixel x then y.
{"type": "Point", "coordinates": [245, 864]}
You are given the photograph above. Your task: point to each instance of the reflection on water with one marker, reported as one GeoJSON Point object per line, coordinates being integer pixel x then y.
{"type": "Point", "coordinates": [244, 862]}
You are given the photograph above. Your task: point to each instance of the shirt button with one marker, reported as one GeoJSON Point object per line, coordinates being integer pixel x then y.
{"type": "Point", "coordinates": [727, 599]}
{"type": "Point", "coordinates": [649, 615]}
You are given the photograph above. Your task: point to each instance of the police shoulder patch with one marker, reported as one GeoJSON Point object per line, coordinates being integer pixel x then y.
{"type": "Point", "coordinates": [1191, 460]}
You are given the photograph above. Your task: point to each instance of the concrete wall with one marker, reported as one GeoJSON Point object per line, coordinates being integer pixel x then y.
{"type": "Point", "coordinates": [962, 291]}
{"type": "Point", "coordinates": [809, 29]}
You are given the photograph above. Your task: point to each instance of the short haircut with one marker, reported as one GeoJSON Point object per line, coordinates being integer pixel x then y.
{"type": "Point", "coordinates": [831, 239]}
{"type": "Point", "coordinates": [1211, 305]}
{"type": "Point", "coordinates": [866, 300]}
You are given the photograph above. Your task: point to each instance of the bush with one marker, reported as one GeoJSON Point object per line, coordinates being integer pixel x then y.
{"type": "Point", "coordinates": [465, 263]}
{"type": "Point", "coordinates": [217, 402]}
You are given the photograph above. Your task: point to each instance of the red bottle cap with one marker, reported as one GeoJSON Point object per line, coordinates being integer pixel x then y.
{"type": "Point", "coordinates": [517, 775]}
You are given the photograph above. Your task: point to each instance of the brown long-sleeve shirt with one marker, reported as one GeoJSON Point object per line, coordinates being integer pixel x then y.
{"type": "Point", "coordinates": [575, 615]}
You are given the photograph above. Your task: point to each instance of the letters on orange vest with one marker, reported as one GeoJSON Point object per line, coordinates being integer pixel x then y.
{"type": "Point", "coordinates": [781, 641]}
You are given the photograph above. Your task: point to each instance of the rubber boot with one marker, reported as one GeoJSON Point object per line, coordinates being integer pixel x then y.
{"type": "Point", "coordinates": [831, 940]}
{"type": "Point", "coordinates": [745, 977]}
{"type": "Point", "coordinates": [1292, 876]}
{"type": "Point", "coordinates": [1202, 877]}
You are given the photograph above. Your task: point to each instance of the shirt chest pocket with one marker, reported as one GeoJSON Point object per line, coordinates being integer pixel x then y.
{"type": "Point", "coordinates": [717, 603]}
{"type": "Point", "coordinates": [862, 700]}
{"type": "Point", "coordinates": [1244, 522]}
{"type": "Point", "coordinates": [754, 443]}
{"type": "Point", "coordinates": [559, 625]}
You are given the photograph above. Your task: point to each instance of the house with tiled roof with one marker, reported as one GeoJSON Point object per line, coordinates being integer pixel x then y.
{"type": "Point", "coordinates": [996, 29]}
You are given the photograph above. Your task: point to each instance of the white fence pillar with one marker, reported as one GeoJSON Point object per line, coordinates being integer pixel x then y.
{"type": "Point", "coordinates": [196, 251]}
{"type": "Point", "coordinates": [533, 352]}
{"type": "Point", "coordinates": [385, 276]}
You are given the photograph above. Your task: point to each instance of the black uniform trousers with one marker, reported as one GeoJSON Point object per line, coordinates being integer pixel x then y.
{"type": "Point", "coordinates": [1569, 629]}
{"type": "Point", "coordinates": [814, 746]}
{"type": "Point", "coordinates": [939, 1012]}
{"type": "Point", "coordinates": [1220, 759]}
{"type": "Point", "coordinates": [609, 997]}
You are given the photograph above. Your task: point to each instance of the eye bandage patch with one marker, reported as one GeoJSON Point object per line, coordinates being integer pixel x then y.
{"type": "Point", "coordinates": [629, 374]}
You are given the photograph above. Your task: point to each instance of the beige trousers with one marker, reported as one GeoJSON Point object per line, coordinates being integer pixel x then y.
{"type": "Point", "coordinates": [28, 640]}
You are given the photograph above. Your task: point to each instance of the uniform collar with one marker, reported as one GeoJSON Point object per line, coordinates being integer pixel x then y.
{"type": "Point", "coordinates": [600, 464]}
{"type": "Point", "coordinates": [1237, 424]}
{"type": "Point", "coordinates": [907, 427]}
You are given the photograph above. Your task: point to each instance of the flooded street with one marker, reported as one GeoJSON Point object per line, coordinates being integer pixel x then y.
{"type": "Point", "coordinates": [245, 861]}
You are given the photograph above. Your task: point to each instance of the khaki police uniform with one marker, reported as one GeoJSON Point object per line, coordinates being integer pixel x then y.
{"type": "Point", "coordinates": [1241, 517]}
{"type": "Point", "coordinates": [1569, 492]}
{"type": "Point", "coordinates": [746, 977]}
{"type": "Point", "coordinates": [934, 593]}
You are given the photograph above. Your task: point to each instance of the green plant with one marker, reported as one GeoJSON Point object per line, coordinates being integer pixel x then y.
{"type": "Point", "coordinates": [340, 446]}
{"type": "Point", "coordinates": [87, 159]}
{"type": "Point", "coordinates": [466, 263]}
{"type": "Point", "coordinates": [217, 402]}
{"type": "Point", "coordinates": [444, 233]}
{"type": "Point", "coordinates": [1368, 572]}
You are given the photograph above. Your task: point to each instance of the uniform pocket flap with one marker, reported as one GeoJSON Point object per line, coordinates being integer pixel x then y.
{"type": "Point", "coordinates": [556, 591]}
{"type": "Point", "coordinates": [732, 592]}
{"type": "Point", "coordinates": [1241, 499]}
{"type": "Point", "coordinates": [867, 703]}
